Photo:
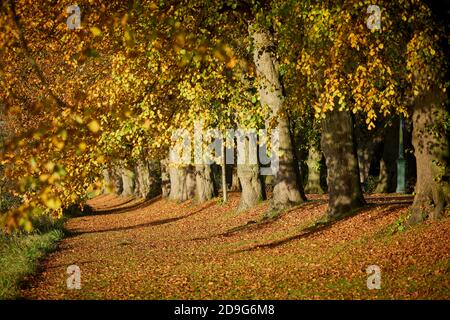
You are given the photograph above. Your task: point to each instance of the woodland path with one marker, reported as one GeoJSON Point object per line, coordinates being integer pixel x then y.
{"type": "Point", "coordinates": [160, 250]}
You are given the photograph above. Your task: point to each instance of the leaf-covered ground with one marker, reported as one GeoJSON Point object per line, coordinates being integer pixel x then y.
{"type": "Point", "coordinates": [162, 250]}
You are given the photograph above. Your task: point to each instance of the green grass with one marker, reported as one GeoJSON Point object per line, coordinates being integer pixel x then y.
{"type": "Point", "coordinates": [19, 257]}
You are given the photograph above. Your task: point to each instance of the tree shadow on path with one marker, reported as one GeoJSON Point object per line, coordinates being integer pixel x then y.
{"type": "Point", "coordinates": [320, 226]}
{"type": "Point", "coordinates": [259, 224]}
{"type": "Point", "coordinates": [121, 209]}
{"type": "Point", "coordinates": [141, 225]}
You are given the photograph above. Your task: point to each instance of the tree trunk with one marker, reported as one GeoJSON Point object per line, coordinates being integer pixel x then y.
{"type": "Point", "coordinates": [431, 149]}
{"type": "Point", "coordinates": [338, 146]}
{"type": "Point", "coordinates": [165, 178]}
{"type": "Point", "coordinates": [364, 160]}
{"type": "Point", "coordinates": [224, 175]}
{"type": "Point", "coordinates": [128, 180]}
{"type": "Point", "coordinates": [148, 181]}
{"type": "Point", "coordinates": [182, 182]}
{"type": "Point", "coordinates": [182, 179]}
{"type": "Point", "coordinates": [251, 186]}
{"type": "Point", "coordinates": [137, 182]}
{"type": "Point", "coordinates": [367, 143]}
{"type": "Point", "coordinates": [117, 182]}
{"type": "Point", "coordinates": [287, 191]}
{"type": "Point", "coordinates": [248, 173]}
{"type": "Point", "coordinates": [235, 184]}
{"type": "Point", "coordinates": [190, 182]}
{"type": "Point", "coordinates": [204, 183]}
{"type": "Point", "coordinates": [313, 162]}
{"type": "Point", "coordinates": [387, 181]}
{"type": "Point", "coordinates": [383, 178]}
{"type": "Point", "coordinates": [154, 179]}
{"type": "Point", "coordinates": [107, 181]}
{"type": "Point", "coordinates": [176, 183]}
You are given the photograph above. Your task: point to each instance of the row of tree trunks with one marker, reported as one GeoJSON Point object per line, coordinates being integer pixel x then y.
{"type": "Point", "coordinates": [143, 181]}
{"type": "Point", "coordinates": [189, 182]}
{"type": "Point", "coordinates": [344, 172]}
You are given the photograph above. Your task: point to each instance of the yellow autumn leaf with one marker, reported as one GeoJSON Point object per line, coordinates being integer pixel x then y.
{"type": "Point", "coordinates": [82, 146]}
{"type": "Point", "coordinates": [94, 126]}
{"type": "Point", "coordinates": [53, 203]}
{"type": "Point", "coordinates": [95, 31]}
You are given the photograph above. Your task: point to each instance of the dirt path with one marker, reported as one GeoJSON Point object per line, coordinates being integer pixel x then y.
{"type": "Point", "coordinates": [160, 250]}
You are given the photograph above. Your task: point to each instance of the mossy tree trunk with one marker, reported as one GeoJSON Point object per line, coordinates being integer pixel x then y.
{"type": "Point", "coordinates": [431, 148]}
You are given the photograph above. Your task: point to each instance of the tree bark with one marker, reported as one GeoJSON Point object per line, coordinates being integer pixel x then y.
{"type": "Point", "coordinates": [387, 181]}
{"type": "Point", "coordinates": [338, 146]}
{"type": "Point", "coordinates": [117, 182]}
{"type": "Point", "coordinates": [287, 191]}
{"type": "Point", "coordinates": [313, 162]}
{"type": "Point", "coordinates": [147, 179]}
{"type": "Point", "coordinates": [128, 180]}
{"type": "Point", "coordinates": [182, 182]}
{"type": "Point", "coordinates": [224, 175]}
{"type": "Point", "coordinates": [165, 178]}
{"type": "Point", "coordinates": [176, 183]}
{"type": "Point", "coordinates": [251, 186]}
{"type": "Point", "coordinates": [367, 143]}
{"type": "Point", "coordinates": [204, 183]}
{"type": "Point", "coordinates": [182, 179]}
{"type": "Point", "coordinates": [383, 178]}
{"type": "Point", "coordinates": [137, 182]}
{"type": "Point", "coordinates": [107, 181]}
{"type": "Point", "coordinates": [235, 184]}
{"type": "Point", "coordinates": [190, 182]}
{"type": "Point", "coordinates": [248, 173]}
{"type": "Point", "coordinates": [431, 148]}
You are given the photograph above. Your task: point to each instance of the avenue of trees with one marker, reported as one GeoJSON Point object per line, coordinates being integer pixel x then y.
{"type": "Point", "coordinates": [94, 107]}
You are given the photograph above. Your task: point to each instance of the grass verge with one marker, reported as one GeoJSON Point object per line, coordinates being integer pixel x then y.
{"type": "Point", "coordinates": [20, 255]}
